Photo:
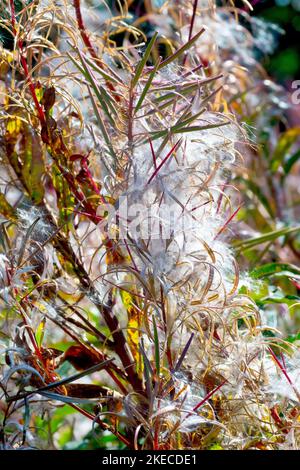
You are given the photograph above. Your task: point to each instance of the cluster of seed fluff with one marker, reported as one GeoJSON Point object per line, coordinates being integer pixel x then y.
{"type": "Point", "coordinates": [179, 253]}
{"type": "Point", "coordinates": [213, 355]}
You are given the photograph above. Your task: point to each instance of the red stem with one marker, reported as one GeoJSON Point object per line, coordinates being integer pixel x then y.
{"type": "Point", "coordinates": [195, 4]}
{"type": "Point", "coordinates": [25, 66]}
{"type": "Point", "coordinates": [227, 222]}
{"type": "Point", "coordinates": [101, 424]}
{"type": "Point", "coordinates": [88, 43]}
{"type": "Point", "coordinates": [82, 30]}
{"type": "Point", "coordinates": [163, 161]}
{"type": "Point", "coordinates": [13, 15]}
{"type": "Point", "coordinates": [209, 395]}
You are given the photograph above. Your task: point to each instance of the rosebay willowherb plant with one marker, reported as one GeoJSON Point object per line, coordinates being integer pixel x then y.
{"type": "Point", "coordinates": [119, 290]}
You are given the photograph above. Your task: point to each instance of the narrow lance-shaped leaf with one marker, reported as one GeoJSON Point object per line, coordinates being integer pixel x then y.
{"type": "Point", "coordinates": [286, 141]}
{"type": "Point", "coordinates": [156, 344]}
{"type": "Point", "coordinates": [101, 124]}
{"type": "Point", "coordinates": [86, 71]}
{"type": "Point", "coordinates": [179, 129]}
{"type": "Point", "coordinates": [64, 381]}
{"type": "Point", "coordinates": [270, 269]}
{"type": "Point", "coordinates": [257, 192]}
{"type": "Point", "coordinates": [133, 327]}
{"type": "Point", "coordinates": [181, 50]}
{"type": "Point", "coordinates": [251, 242]}
{"type": "Point", "coordinates": [33, 168]}
{"type": "Point", "coordinates": [290, 162]}
{"type": "Point", "coordinates": [143, 61]}
{"type": "Point", "coordinates": [147, 86]}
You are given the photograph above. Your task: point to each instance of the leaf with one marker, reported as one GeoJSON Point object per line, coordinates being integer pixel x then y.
{"type": "Point", "coordinates": [215, 446]}
{"type": "Point", "coordinates": [178, 129]}
{"type": "Point", "coordinates": [183, 354]}
{"type": "Point", "coordinates": [148, 372]}
{"type": "Point", "coordinates": [290, 162]}
{"type": "Point", "coordinates": [14, 126]}
{"type": "Point", "coordinates": [48, 99]}
{"type": "Point", "coordinates": [147, 86]}
{"type": "Point", "coordinates": [258, 193]}
{"type": "Point", "coordinates": [181, 50]}
{"type": "Point", "coordinates": [143, 61]}
{"type": "Point", "coordinates": [133, 327]}
{"type": "Point", "coordinates": [86, 390]}
{"type": "Point", "coordinates": [33, 168]}
{"type": "Point", "coordinates": [101, 124]}
{"type": "Point", "coordinates": [64, 398]}
{"type": "Point", "coordinates": [80, 357]}
{"type": "Point", "coordinates": [59, 383]}
{"type": "Point", "coordinates": [270, 269]}
{"type": "Point", "coordinates": [293, 338]}
{"type": "Point", "coordinates": [270, 236]}
{"type": "Point", "coordinates": [104, 99]}
{"type": "Point", "coordinates": [98, 90]}
{"type": "Point", "coordinates": [156, 344]}
{"type": "Point", "coordinates": [40, 331]}
{"type": "Point", "coordinates": [6, 210]}
{"type": "Point", "coordinates": [113, 77]}
{"type": "Point", "coordinates": [185, 89]}
{"type": "Point", "coordinates": [286, 141]}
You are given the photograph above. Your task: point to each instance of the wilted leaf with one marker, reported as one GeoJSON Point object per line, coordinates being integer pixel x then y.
{"type": "Point", "coordinates": [133, 327]}
{"type": "Point", "coordinates": [6, 210]}
{"type": "Point", "coordinates": [81, 358]}
{"type": "Point", "coordinates": [48, 98]}
{"type": "Point", "coordinates": [33, 168]}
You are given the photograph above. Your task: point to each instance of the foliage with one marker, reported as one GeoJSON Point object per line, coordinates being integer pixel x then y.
{"type": "Point", "coordinates": [154, 340]}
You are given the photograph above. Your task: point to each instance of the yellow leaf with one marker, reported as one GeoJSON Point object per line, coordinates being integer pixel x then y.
{"type": "Point", "coordinates": [133, 328]}
{"type": "Point", "coordinates": [6, 209]}
{"type": "Point", "coordinates": [39, 334]}
{"type": "Point", "coordinates": [14, 125]}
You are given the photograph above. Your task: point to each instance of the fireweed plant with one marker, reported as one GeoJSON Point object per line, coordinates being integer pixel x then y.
{"type": "Point", "coordinates": [125, 134]}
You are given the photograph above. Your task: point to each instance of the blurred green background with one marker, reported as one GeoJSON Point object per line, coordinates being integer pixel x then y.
{"type": "Point", "coordinates": [284, 64]}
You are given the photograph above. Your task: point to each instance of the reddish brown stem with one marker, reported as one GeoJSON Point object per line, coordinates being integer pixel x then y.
{"type": "Point", "coordinates": [103, 425]}
{"type": "Point", "coordinates": [39, 108]}
{"type": "Point", "coordinates": [13, 15]}
{"type": "Point", "coordinates": [195, 4]}
{"type": "Point", "coordinates": [87, 42]}
{"type": "Point", "coordinates": [121, 348]}
{"type": "Point", "coordinates": [82, 30]}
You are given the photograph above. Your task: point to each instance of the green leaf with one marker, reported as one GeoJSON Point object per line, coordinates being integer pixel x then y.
{"type": "Point", "coordinates": [113, 77]}
{"type": "Point", "coordinates": [258, 193]}
{"type": "Point", "coordinates": [103, 98]}
{"type": "Point", "coordinates": [290, 162]}
{"type": "Point", "coordinates": [285, 269]}
{"type": "Point", "coordinates": [143, 61]}
{"type": "Point", "coordinates": [270, 236]}
{"type": "Point", "coordinates": [179, 129]}
{"type": "Point", "coordinates": [146, 87]}
{"type": "Point", "coordinates": [33, 168]}
{"type": "Point", "coordinates": [181, 50]}
{"type": "Point", "coordinates": [101, 124]}
{"type": "Point", "coordinates": [286, 141]}
{"type": "Point", "coordinates": [293, 338]}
